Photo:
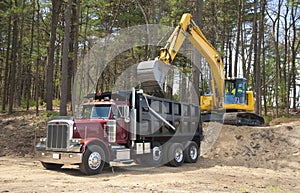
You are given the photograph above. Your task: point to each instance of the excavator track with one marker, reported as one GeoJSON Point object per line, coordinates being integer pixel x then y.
{"type": "Point", "coordinates": [243, 118]}
{"type": "Point", "coordinates": [152, 75]}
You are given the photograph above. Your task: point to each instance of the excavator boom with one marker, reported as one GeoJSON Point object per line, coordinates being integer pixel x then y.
{"type": "Point", "coordinates": [185, 29]}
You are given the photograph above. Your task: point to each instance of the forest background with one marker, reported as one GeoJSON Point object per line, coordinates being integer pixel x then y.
{"type": "Point", "coordinates": [42, 43]}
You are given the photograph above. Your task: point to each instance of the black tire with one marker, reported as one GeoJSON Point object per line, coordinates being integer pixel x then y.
{"type": "Point", "coordinates": [155, 158]}
{"type": "Point", "coordinates": [191, 152]}
{"type": "Point", "coordinates": [51, 166]}
{"type": "Point", "coordinates": [93, 160]}
{"type": "Point", "coordinates": [176, 155]}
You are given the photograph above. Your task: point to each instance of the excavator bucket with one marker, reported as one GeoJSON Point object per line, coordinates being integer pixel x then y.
{"type": "Point", "coordinates": [152, 75]}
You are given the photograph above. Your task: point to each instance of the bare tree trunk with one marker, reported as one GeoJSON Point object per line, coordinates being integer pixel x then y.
{"type": "Point", "coordinates": [237, 43]}
{"type": "Point", "coordinates": [294, 49]}
{"type": "Point", "coordinates": [230, 74]}
{"type": "Point", "coordinates": [257, 61]}
{"type": "Point", "coordinates": [36, 80]}
{"type": "Point", "coordinates": [65, 59]}
{"type": "Point", "coordinates": [56, 4]}
{"type": "Point", "coordinates": [6, 83]}
{"type": "Point", "coordinates": [285, 92]}
{"type": "Point", "coordinates": [196, 70]}
{"type": "Point", "coordinates": [13, 64]}
{"type": "Point", "coordinates": [262, 39]}
{"type": "Point", "coordinates": [265, 88]}
{"type": "Point", "coordinates": [76, 16]}
{"type": "Point", "coordinates": [256, 50]}
{"type": "Point", "coordinates": [28, 79]}
{"type": "Point", "coordinates": [242, 41]}
{"type": "Point", "coordinates": [277, 56]}
{"type": "Point", "coordinates": [20, 78]}
{"type": "Point", "coordinates": [147, 28]}
{"type": "Point", "coordinates": [248, 63]}
{"type": "Point", "coordinates": [275, 38]}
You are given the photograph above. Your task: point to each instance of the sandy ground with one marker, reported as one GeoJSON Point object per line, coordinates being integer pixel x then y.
{"type": "Point", "coordinates": [240, 159]}
{"type": "Point", "coordinates": [27, 175]}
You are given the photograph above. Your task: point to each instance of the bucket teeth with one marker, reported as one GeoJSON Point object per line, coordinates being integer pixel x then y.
{"type": "Point", "coordinates": [152, 75]}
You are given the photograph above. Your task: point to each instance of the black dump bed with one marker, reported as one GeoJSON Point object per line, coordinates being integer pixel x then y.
{"type": "Point", "coordinates": [163, 117]}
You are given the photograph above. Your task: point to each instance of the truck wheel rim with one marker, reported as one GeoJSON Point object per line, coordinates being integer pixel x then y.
{"type": "Point", "coordinates": [156, 153]}
{"type": "Point", "coordinates": [178, 155]}
{"type": "Point", "coordinates": [94, 160]}
{"type": "Point", "coordinates": [193, 152]}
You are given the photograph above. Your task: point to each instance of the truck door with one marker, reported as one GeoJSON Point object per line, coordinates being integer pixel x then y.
{"type": "Point", "coordinates": [119, 113]}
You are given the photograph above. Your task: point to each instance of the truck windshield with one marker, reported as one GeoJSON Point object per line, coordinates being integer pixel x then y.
{"type": "Point", "coordinates": [94, 112]}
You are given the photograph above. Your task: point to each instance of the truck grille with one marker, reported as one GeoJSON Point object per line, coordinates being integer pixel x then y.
{"type": "Point", "coordinates": [57, 136]}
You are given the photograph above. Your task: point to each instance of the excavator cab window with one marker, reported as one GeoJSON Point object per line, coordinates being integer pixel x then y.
{"type": "Point", "coordinates": [235, 91]}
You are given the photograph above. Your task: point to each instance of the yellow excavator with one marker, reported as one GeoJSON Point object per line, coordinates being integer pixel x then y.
{"type": "Point", "coordinates": [229, 100]}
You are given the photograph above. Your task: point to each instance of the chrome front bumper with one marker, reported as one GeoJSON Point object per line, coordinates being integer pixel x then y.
{"type": "Point", "coordinates": [70, 155]}
{"type": "Point", "coordinates": [59, 157]}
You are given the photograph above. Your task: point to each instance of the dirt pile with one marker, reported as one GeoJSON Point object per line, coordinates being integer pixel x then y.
{"type": "Point", "coordinates": [19, 132]}
{"type": "Point", "coordinates": [271, 147]}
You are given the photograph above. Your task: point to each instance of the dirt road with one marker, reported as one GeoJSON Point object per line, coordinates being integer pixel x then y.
{"type": "Point", "coordinates": [27, 175]}
{"type": "Point", "coordinates": [242, 159]}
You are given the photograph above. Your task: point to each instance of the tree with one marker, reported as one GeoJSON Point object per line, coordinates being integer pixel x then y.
{"type": "Point", "coordinates": [294, 45]}
{"type": "Point", "coordinates": [56, 4]}
{"type": "Point", "coordinates": [7, 60]}
{"type": "Point", "coordinates": [65, 61]}
{"type": "Point", "coordinates": [260, 37]}
{"type": "Point", "coordinates": [13, 68]}
{"type": "Point", "coordinates": [257, 65]}
{"type": "Point", "coordinates": [198, 19]}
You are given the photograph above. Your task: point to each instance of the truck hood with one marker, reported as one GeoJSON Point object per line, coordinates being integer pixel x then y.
{"type": "Point", "coordinates": [90, 128]}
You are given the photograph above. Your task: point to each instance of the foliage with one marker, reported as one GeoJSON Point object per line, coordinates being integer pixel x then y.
{"type": "Point", "coordinates": [26, 30]}
{"type": "Point", "coordinates": [50, 114]}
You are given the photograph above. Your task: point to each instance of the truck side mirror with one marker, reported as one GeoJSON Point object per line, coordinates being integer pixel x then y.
{"type": "Point", "coordinates": [126, 114]}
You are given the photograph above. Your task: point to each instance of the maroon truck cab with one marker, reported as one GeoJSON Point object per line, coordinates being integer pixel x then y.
{"type": "Point", "coordinates": [105, 121]}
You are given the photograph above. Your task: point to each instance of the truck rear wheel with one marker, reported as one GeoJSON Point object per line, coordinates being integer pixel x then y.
{"type": "Point", "coordinates": [191, 152]}
{"type": "Point", "coordinates": [93, 160]}
{"type": "Point", "coordinates": [157, 153]}
{"type": "Point", "coordinates": [52, 166]}
{"type": "Point", "coordinates": [154, 158]}
{"type": "Point", "coordinates": [175, 154]}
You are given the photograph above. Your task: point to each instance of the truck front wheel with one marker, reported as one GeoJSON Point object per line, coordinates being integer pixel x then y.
{"type": "Point", "coordinates": [93, 160]}
{"type": "Point", "coordinates": [176, 155]}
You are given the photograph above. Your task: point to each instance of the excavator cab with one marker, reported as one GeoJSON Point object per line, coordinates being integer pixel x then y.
{"type": "Point", "coordinates": [239, 104]}
{"type": "Point", "coordinates": [235, 91]}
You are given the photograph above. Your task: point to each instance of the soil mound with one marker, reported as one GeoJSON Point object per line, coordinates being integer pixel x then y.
{"type": "Point", "coordinates": [19, 133]}
{"type": "Point", "coordinates": [271, 147]}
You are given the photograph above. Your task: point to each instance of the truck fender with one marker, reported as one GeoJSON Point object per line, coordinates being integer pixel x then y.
{"type": "Point", "coordinates": [99, 142]}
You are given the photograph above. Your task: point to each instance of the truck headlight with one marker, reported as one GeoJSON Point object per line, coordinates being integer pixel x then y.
{"type": "Point", "coordinates": [43, 140]}
{"type": "Point", "coordinates": [77, 141]}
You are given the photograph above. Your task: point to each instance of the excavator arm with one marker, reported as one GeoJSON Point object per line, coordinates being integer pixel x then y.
{"type": "Point", "coordinates": [185, 29]}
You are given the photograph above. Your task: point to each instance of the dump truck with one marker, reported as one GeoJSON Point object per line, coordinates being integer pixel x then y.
{"type": "Point", "coordinates": [123, 127]}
